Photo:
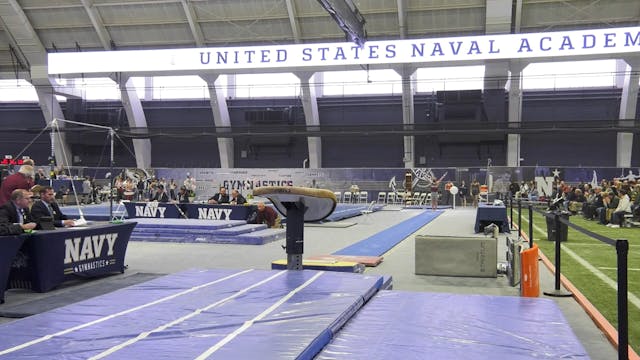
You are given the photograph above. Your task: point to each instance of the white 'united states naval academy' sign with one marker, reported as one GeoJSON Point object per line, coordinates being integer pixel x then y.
{"type": "Point", "coordinates": [452, 49]}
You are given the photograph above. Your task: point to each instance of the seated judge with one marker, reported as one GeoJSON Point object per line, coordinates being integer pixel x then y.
{"type": "Point", "coordinates": [161, 195]}
{"type": "Point", "coordinates": [183, 195]}
{"type": "Point", "coordinates": [15, 217]}
{"type": "Point", "coordinates": [237, 198]}
{"type": "Point", "coordinates": [220, 198]}
{"type": "Point", "coordinates": [48, 207]}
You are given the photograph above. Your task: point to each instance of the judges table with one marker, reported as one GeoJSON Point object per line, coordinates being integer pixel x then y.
{"type": "Point", "coordinates": [488, 214]}
{"type": "Point", "coordinates": [191, 211]}
{"type": "Point", "coordinates": [48, 258]}
{"type": "Point", "coordinates": [9, 246]}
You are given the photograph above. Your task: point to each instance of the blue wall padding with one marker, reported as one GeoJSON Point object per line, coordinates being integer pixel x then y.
{"type": "Point", "coordinates": [296, 328]}
{"type": "Point", "coordinates": [383, 241]}
{"type": "Point", "coordinates": [414, 325]}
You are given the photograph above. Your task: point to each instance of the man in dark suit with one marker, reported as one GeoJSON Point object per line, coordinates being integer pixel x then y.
{"type": "Point", "coordinates": [48, 207]}
{"type": "Point", "coordinates": [220, 198]}
{"type": "Point", "coordinates": [15, 217]}
{"type": "Point", "coordinates": [161, 195]}
{"type": "Point", "coordinates": [237, 198]}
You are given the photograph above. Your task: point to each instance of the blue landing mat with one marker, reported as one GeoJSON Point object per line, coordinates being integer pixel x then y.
{"type": "Point", "coordinates": [413, 325]}
{"type": "Point", "coordinates": [383, 241]}
{"type": "Point", "coordinates": [96, 212]}
{"type": "Point", "coordinates": [217, 314]}
{"type": "Point", "coordinates": [345, 211]}
{"type": "Point", "coordinates": [204, 231]}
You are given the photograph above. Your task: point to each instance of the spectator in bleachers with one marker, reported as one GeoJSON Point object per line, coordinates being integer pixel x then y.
{"type": "Point", "coordinates": [576, 200]}
{"type": "Point", "coordinates": [593, 202]}
{"type": "Point", "coordinates": [610, 202]}
{"type": "Point", "coordinates": [624, 207]}
{"type": "Point", "coordinates": [40, 175]}
{"type": "Point", "coordinates": [514, 189]}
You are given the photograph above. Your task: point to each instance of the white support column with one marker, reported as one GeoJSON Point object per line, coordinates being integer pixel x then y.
{"type": "Point", "coordinates": [148, 88]}
{"type": "Point", "coordinates": [51, 110]}
{"type": "Point", "coordinates": [515, 113]}
{"type": "Point", "coordinates": [136, 119]}
{"type": "Point", "coordinates": [310, 106]}
{"type": "Point", "coordinates": [407, 73]}
{"type": "Point", "coordinates": [221, 119]}
{"type": "Point", "coordinates": [628, 105]}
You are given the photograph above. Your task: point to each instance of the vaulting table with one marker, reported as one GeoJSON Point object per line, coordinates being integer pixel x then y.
{"type": "Point", "coordinates": [48, 258]}
{"type": "Point", "coordinates": [299, 205]}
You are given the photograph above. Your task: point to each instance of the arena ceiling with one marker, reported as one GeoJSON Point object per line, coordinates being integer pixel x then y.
{"type": "Point", "coordinates": [31, 28]}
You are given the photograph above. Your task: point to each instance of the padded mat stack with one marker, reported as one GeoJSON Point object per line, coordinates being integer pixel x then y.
{"type": "Point", "coordinates": [208, 231]}
{"type": "Point", "coordinates": [216, 314]}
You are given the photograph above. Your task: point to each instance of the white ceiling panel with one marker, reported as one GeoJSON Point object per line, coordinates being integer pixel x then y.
{"type": "Point", "coordinates": [65, 39]}
{"type": "Point", "coordinates": [142, 36]}
{"type": "Point", "coordinates": [142, 14]}
{"type": "Point", "coordinates": [276, 31]}
{"type": "Point", "coordinates": [58, 18]}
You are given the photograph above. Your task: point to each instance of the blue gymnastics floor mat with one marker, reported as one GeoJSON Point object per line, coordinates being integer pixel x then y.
{"type": "Point", "coordinates": [383, 241]}
{"type": "Point", "coordinates": [215, 314]}
{"type": "Point", "coordinates": [414, 325]}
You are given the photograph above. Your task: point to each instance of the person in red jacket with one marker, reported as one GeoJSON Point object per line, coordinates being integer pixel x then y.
{"type": "Point", "coordinates": [267, 215]}
{"type": "Point", "coordinates": [23, 179]}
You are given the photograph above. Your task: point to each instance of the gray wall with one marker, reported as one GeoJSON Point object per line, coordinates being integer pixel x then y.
{"type": "Point", "coordinates": [182, 132]}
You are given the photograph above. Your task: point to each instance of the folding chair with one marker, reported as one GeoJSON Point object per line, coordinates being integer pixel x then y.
{"type": "Point", "coordinates": [382, 197]}
{"type": "Point", "coordinates": [347, 197]}
{"type": "Point", "coordinates": [423, 198]}
{"type": "Point", "coordinates": [363, 198]}
{"type": "Point", "coordinates": [338, 195]}
{"type": "Point", "coordinates": [391, 198]}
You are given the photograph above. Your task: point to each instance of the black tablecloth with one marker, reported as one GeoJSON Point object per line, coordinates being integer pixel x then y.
{"type": "Point", "coordinates": [9, 246]}
{"type": "Point", "coordinates": [52, 257]}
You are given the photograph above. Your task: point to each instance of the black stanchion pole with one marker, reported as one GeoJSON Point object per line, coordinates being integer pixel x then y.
{"type": "Point", "coordinates": [511, 214]}
{"type": "Point", "coordinates": [519, 218]}
{"type": "Point", "coordinates": [557, 292]}
{"type": "Point", "coordinates": [530, 226]}
{"type": "Point", "coordinates": [622, 248]}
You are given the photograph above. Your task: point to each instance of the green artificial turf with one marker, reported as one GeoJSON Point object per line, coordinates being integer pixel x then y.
{"type": "Point", "coordinates": [601, 256]}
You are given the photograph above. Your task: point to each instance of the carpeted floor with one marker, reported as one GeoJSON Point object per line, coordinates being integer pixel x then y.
{"type": "Point", "coordinates": [73, 292]}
